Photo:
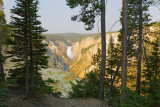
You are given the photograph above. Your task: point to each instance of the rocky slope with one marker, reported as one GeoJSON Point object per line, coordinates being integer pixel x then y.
{"type": "Point", "coordinates": [62, 80]}
{"type": "Point", "coordinates": [85, 49]}
{"type": "Point", "coordinates": [57, 55]}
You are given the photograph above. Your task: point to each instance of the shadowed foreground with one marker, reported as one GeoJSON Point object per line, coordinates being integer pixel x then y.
{"type": "Point", "coordinates": [18, 100]}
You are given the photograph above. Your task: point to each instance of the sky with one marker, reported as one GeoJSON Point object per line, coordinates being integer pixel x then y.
{"type": "Point", "coordinates": [56, 16]}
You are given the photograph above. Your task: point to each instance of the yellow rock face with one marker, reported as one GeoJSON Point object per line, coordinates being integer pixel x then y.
{"type": "Point", "coordinates": [62, 79]}
{"type": "Point", "coordinates": [85, 50]}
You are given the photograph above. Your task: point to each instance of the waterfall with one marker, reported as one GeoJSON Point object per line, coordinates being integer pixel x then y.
{"type": "Point", "coordinates": [69, 52]}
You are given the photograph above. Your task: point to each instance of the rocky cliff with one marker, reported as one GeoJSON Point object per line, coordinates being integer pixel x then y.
{"type": "Point", "coordinates": [85, 49]}
{"type": "Point", "coordinates": [57, 55]}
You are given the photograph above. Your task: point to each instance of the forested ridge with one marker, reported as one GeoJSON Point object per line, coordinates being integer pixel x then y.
{"type": "Point", "coordinates": [117, 69]}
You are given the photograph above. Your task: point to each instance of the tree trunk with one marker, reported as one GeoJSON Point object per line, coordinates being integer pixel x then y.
{"type": "Point", "coordinates": [26, 54]}
{"type": "Point", "coordinates": [103, 60]}
{"type": "Point", "coordinates": [120, 62]}
{"type": "Point", "coordinates": [1, 65]}
{"type": "Point", "coordinates": [26, 65]}
{"type": "Point", "coordinates": [124, 49]}
{"type": "Point", "coordinates": [31, 65]}
{"type": "Point", "coordinates": [139, 50]}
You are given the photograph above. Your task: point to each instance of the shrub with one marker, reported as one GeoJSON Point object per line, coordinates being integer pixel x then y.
{"type": "Point", "coordinates": [87, 87]}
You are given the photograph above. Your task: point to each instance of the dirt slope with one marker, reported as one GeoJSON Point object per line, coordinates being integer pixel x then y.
{"type": "Point", "coordinates": [55, 102]}
{"type": "Point", "coordinates": [18, 99]}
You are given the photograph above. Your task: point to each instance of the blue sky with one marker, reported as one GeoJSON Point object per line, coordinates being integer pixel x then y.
{"type": "Point", "coordinates": [56, 15]}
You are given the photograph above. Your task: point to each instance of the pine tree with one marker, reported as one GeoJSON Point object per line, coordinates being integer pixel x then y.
{"type": "Point", "coordinates": [3, 35]}
{"type": "Point", "coordinates": [113, 57]}
{"type": "Point", "coordinates": [37, 48]}
{"type": "Point", "coordinates": [151, 84]}
{"type": "Point", "coordinates": [27, 49]}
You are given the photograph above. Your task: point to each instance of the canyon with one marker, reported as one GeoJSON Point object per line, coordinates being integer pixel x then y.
{"type": "Point", "coordinates": [72, 54]}
{"type": "Point", "coordinates": [70, 57]}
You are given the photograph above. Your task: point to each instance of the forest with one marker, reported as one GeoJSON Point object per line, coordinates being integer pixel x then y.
{"type": "Point", "coordinates": [107, 69]}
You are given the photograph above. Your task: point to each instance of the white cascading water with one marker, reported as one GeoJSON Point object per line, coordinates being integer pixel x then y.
{"type": "Point", "coordinates": [69, 53]}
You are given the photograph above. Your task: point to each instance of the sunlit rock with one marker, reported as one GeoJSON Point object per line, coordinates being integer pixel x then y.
{"type": "Point", "coordinates": [62, 80]}
{"type": "Point", "coordinates": [85, 49]}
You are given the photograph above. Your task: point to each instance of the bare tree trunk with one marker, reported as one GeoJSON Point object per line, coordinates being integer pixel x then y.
{"type": "Point", "coordinates": [103, 61]}
{"type": "Point", "coordinates": [120, 62]}
{"type": "Point", "coordinates": [139, 50]}
{"type": "Point", "coordinates": [145, 55]}
{"type": "Point", "coordinates": [26, 56]}
{"type": "Point", "coordinates": [31, 65]}
{"type": "Point", "coordinates": [27, 68]}
{"type": "Point", "coordinates": [124, 49]}
{"type": "Point", "coordinates": [1, 65]}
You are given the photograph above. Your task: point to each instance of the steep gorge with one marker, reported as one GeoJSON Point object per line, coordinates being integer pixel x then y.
{"type": "Point", "coordinates": [77, 56]}
{"type": "Point", "coordinates": [85, 49]}
{"type": "Point", "coordinates": [73, 53]}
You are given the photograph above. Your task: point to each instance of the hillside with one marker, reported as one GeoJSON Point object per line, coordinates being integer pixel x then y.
{"type": "Point", "coordinates": [85, 49]}
{"type": "Point", "coordinates": [18, 100]}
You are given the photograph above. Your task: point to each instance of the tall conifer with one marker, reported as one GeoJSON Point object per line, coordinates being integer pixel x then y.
{"type": "Point", "coordinates": [27, 49]}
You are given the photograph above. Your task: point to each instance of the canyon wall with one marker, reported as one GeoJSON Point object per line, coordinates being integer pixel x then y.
{"type": "Point", "coordinates": [85, 49]}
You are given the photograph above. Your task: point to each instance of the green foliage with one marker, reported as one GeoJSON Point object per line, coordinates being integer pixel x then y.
{"type": "Point", "coordinates": [135, 100]}
{"type": "Point", "coordinates": [150, 88]}
{"type": "Point", "coordinates": [3, 93]}
{"type": "Point", "coordinates": [27, 49]}
{"type": "Point", "coordinates": [113, 58]}
{"type": "Point", "coordinates": [4, 96]}
{"type": "Point", "coordinates": [151, 83]}
{"type": "Point", "coordinates": [87, 87]}
{"type": "Point", "coordinates": [114, 100]}
{"type": "Point", "coordinates": [50, 88]}
{"type": "Point", "coordinates": [90, 9]}
{"type": "Point", "coordinates": [50, 80]}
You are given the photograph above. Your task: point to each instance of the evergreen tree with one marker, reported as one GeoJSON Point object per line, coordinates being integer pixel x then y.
{"type": "Point", "coordinates": [151, 84]}
{"type": "Point", "coordinates": [27, 49]}
{"type": "Point", "coordinates": [113, 57]}
{"type": "Point", "coordinates": [86, 87]}
{"type": "Point", "coordinates": [3, 35]}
